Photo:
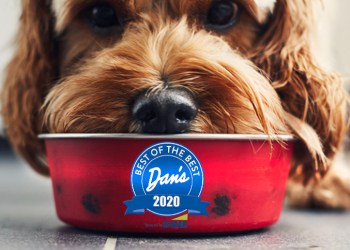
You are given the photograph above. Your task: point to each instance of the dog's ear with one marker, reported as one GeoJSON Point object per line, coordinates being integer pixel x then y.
{"type": "Point", "coordinates": [29, 75]}
{"type": "Point", "coordinates": [307, 91]}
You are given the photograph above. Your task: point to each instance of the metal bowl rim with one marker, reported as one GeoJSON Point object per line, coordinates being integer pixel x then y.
{"type": "Point", "coordinates": [248, 137]}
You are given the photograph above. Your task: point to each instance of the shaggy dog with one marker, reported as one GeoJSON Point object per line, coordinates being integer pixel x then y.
{"type": "Point", "coordinates": [178, 66]}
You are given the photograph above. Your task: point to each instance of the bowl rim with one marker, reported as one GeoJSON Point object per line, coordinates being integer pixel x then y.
{"type": "Point", "coordinates": [249, 137]}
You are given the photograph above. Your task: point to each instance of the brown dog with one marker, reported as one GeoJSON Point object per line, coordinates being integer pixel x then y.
{"type": "Point", "coordinates": [177, 66]}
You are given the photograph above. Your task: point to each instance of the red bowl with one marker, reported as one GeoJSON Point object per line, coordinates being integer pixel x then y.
{"type": "Point", "coordinates": [168, 184]}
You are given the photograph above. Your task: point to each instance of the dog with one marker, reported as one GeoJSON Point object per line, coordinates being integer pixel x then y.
{"type": "Point", "coordinates": [178, 66]}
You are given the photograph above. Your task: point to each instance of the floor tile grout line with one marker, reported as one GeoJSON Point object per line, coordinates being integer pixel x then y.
{"type": "Point", "coordinates": [111, 244]}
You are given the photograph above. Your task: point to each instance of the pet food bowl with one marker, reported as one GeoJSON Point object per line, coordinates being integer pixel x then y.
{"type": "Point", "coordinates": [168, 184]}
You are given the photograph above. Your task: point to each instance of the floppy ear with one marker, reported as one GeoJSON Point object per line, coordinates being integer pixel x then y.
{"type": "Point", "coordinates": [308, 92]}
{"type": "Point", "coordinates": [29, 75]}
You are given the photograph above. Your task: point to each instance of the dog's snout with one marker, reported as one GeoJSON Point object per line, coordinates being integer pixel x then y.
{"type": "Point", "coordinates": [168, 111]}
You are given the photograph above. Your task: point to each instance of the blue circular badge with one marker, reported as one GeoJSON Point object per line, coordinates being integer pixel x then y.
{"type": "Point", "coordinates": [166, 179]}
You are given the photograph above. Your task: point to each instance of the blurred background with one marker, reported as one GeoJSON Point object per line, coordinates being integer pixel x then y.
{"type": "Point", "coordinates": [333, 45]}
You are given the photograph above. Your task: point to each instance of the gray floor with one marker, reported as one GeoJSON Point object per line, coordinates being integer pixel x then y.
{"type": "Point", "coordinates": [28, 221]}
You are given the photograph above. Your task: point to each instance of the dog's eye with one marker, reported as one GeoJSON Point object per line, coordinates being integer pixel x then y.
{"type": "Point", "coordinates": [102, 16]}
{"type": "Point", "coordinates": [222, 14]}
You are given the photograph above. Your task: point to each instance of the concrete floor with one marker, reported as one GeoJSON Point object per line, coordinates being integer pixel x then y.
{"type": "Point", "coordinates": [28, 221]}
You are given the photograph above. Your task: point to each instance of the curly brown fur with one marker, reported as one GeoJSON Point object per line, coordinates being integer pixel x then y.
{"type": "Point", "coordinates": [29, 77]}
{"type": "Point", "coordinates": [307, 91]}
{"type": "Point", "coordinates": [257, 77]}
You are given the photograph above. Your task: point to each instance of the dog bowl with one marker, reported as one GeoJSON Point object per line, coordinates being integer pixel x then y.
{"type": "Point", "coordinates": [168, 184]}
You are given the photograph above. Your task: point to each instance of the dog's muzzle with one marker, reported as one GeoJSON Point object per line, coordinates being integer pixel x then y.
{"type": "Point", "coordinates": [168, 111]}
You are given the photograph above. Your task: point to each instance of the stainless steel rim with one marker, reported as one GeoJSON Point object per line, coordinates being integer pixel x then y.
{"type": "Point", "coordinates": [168, 137]}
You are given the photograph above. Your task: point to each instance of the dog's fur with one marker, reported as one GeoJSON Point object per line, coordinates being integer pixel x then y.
{"type": "Point", "coordinates": [257, 77]}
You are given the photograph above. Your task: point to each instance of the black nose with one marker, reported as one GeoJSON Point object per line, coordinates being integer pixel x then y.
{"type": "Point", "coordinates": [168, 111]}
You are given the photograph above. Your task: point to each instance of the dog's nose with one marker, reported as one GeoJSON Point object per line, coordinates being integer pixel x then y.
{"type": "Point", "coordinates": [167, 111]}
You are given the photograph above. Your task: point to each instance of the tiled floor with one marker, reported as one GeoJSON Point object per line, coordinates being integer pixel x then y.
{"type": "Point", "coordinates": [28, 221]}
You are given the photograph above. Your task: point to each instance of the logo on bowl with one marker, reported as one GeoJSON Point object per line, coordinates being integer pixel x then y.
{"type": "Point", "coordinates": [167, 180]}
